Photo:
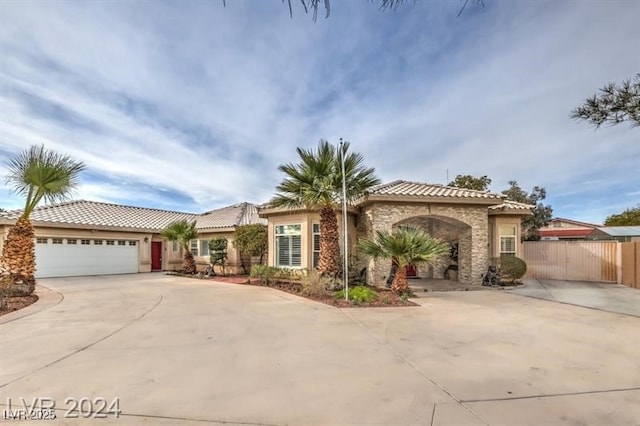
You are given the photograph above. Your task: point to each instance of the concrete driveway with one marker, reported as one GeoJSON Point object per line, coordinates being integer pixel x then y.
{"type": "Point", "coordinates": [179, 352]}
{"type": "Point", "coordinates": [603, 296]}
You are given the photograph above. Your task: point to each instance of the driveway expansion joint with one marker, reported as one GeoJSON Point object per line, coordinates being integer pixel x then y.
{"type": "Point", "coordinates": [82, 349]}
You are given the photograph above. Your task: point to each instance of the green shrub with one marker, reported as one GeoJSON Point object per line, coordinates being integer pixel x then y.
{"type": "Point", "coordinates": [512, 267]}
{"type": "Point", "coordinates": [315, 285]}
{"type": "Point", "coordinates": [359, 294]}
{"type": "Point", "coordinates": [263, 272]}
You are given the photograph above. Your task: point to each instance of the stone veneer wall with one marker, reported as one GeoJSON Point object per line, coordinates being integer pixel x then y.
{"type": "Point", "coordinates": [469, 223]}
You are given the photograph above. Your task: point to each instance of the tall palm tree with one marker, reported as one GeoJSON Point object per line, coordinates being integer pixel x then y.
{"type": "Point", "coordinates": [183, 232]}
{"type": "Point", "coordinates": [35, 173]}
{"type": "Point", "coordinates": [404, 247]}
{"type": "Point", "coordinates": [315, 183]}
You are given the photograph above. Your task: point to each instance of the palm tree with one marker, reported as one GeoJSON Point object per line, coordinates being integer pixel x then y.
{"type": "Point", "coordinates": [36, 174]}
{"type": "Point", "coordinates": [315, 183]}
{"type": "Point", "coordinates": [183, 232]}
{"type": "Point", "coordinates": [404, 247]}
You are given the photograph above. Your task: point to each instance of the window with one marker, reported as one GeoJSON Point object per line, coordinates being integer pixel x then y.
{"type": "Point", "coordinates": [122, 242]}
{"type": "Point", "coordinates": [174, 246]}
{"type": "Point", "coordinates": [316, 244]}
{"type": "Point", "coordinates": [508, 240]}
{"type": "Point", "coordinates": [97, 242]}
{"type": "Point", "coordinates": [85, 242]}
{"type": "Point", "coordinates": [204, 247]}
{"type": "Point", "coordinates": [111, 243]}
{"type": "Point", "coordinates": [72, 241]}
{"type": "Point", "coordinates": [42, 240]}
{"type": "Point", "coordinates": [194, 247]}
{"type": "Point", "coordinates": [56, 240]}
{"type": "Point", "coordinates": [133, 243]}
{"type": "Point", "coordinates": [289, 245]}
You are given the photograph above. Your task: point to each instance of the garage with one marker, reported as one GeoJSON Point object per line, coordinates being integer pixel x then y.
{"type": "Point", "coordinates": [67, 257]}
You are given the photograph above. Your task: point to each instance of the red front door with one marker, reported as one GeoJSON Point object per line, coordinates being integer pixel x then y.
{"type": "Point", "coordinates": [156, 255]}
{"type": "Point", "coordinates": [411, 271]}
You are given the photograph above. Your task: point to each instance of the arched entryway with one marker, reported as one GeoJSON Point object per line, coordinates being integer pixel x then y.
{"type": "Point", "coordinates": [452, 231]}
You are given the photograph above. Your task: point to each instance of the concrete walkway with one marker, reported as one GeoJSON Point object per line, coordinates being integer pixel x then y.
{"type": "Point", "coordinates": [176, 351]}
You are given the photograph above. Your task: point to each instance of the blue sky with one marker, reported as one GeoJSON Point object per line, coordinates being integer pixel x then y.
{"type": "Point", "coordinates": [191, 106]}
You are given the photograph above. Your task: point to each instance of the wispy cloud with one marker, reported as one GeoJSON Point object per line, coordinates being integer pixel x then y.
{"type": "Point", "coordinates": [192, 105]}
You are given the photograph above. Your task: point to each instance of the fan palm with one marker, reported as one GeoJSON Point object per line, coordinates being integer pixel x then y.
{"type": "Point", "coordinates": [404, 246]}
{"type": "Point", "coordinates": [183, 232]}
{"type": "Point", "coordinates": [36, 174]}
{"type": "Point", "coordinates": [315, 183]}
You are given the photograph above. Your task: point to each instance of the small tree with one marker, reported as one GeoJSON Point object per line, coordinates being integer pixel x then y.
{"type": "Point", "coordinates": [541, 213]}
{"type": "Point", "coordinates": [404, 246]}
{"type": "Point", "coordinates": [251, 240]}
{"type": "Point", "coordinates": [629, 217]}
{"type": "Point", "coordinates": [183, 232]}
{"type": "Point", "coordinates": [218, 252]}
{"type": "Point", "coordinates": [471, 182]}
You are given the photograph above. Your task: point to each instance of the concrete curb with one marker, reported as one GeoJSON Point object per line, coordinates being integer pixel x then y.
{"type": "Point", "coordinates": [47, 298]}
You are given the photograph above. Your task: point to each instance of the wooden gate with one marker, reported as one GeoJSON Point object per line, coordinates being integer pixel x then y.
{"type": "Point", "coordinates": [572, 260]}
{"type": "Point", "coordinates": [631, 264]}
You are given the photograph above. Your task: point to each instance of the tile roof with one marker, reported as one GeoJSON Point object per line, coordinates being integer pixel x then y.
{"type": "Point", "coordinates": [97, 214]}
{"type": "Point", "coordinates": [228, 217]}
{"type": "Point", "coordinates": [511, 205]}
{"type": "Point", "coordinates": [574, 222]}
{"type": "Point", "coordinates": [418, 189]}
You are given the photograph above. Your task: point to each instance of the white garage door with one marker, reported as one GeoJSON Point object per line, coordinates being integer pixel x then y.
{"type": "Point", "coordinates": [68, 257]}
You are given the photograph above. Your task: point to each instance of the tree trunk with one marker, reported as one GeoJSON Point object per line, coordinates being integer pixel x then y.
{"type": "Point", "coordinates": [19, 253]}
{"type": "Point", "coordinates": [329, 263]}
{"type": "Point", "coordinates": [400, 284]}
{"type": "Point", "coordinates": [188, 263]}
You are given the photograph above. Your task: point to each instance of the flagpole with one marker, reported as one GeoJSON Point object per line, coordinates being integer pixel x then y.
{"type": "Point", "coordinates": [344, 219]}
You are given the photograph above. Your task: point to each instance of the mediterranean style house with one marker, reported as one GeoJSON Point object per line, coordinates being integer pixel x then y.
{"type": "Point", "coordinates": [478, 225]}
{"type": "Point", "coordinates": [93, 238]}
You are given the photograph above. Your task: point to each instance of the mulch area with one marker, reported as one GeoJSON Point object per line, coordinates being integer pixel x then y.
{"type": "Point", "coordinates": [386, 298]}
{"type": "Point", "coordinates": [18, 302]}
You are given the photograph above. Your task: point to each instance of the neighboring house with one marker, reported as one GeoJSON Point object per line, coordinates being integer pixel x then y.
{"type": "Point", "coordinates": [566, 229]}
{"type": "Point", "coordinates": [618, 233]}
{"type": "Point", "coordinates": [481, 225]}
{"type": "Point", "coordinates": [92, 238]}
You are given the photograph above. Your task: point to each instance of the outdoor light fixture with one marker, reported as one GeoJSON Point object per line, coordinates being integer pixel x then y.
{"type": "Point", "coordinates": [146, 239]}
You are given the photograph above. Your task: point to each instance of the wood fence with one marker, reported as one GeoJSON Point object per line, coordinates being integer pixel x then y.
{"type": "Point", "coordinates": [573, 260]}
{"type": "Point", "coordinates": [631, 264]}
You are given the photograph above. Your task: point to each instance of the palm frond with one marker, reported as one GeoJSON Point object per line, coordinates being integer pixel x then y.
{"type": "Point", "coordinates": [38, 173]}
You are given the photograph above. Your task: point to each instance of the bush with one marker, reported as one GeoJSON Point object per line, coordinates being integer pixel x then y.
{"type": "Point", "coordinates": [513, 267]}
{"type": "Point", "coordinates": [359, 294]}
{"type": "Point", "coordinates": [263, 272]}
{"type": "Point", "coordinates": [315, 285]}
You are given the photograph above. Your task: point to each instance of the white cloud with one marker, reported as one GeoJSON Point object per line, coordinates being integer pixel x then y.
{"type": "Point", "coordinates": [206, 101]}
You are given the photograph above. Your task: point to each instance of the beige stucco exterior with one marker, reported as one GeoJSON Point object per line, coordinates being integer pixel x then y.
{"type": "Point", "coordinates": [471, 225]}
{"type": "Point", "coordinates": [171, 259]}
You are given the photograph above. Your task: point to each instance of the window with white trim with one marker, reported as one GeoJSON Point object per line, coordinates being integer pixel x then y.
{"type": "Point", "coordinates": [194, 247]}
{"type": "Point", "coordinates": [288, 246]}
{"type": "Point", "coordinates": [174, 246]}
{"type": "Point", "coordinates": [56, 241]}
{"type": "Point", "coordinates": [133, 243]}
{"type": "Point", "coordinates": [111, 243]}
{"type": "Point", "coordinates": [316, 245]}
{"type": "Point", "coordinates": [122, 243]}
{"type": "Point", "coordinates": [85, 242]}
{"type": "Point", "coordinates": [507, 240]}
{"type": "Point", "coordinates": [204, 247]}
{"type": "Point", "coordinates": [97, 242]}
{"type": "Point", "coordinates": [72, 241]}
{"type": "Point", "coordinates": [42, 240]}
